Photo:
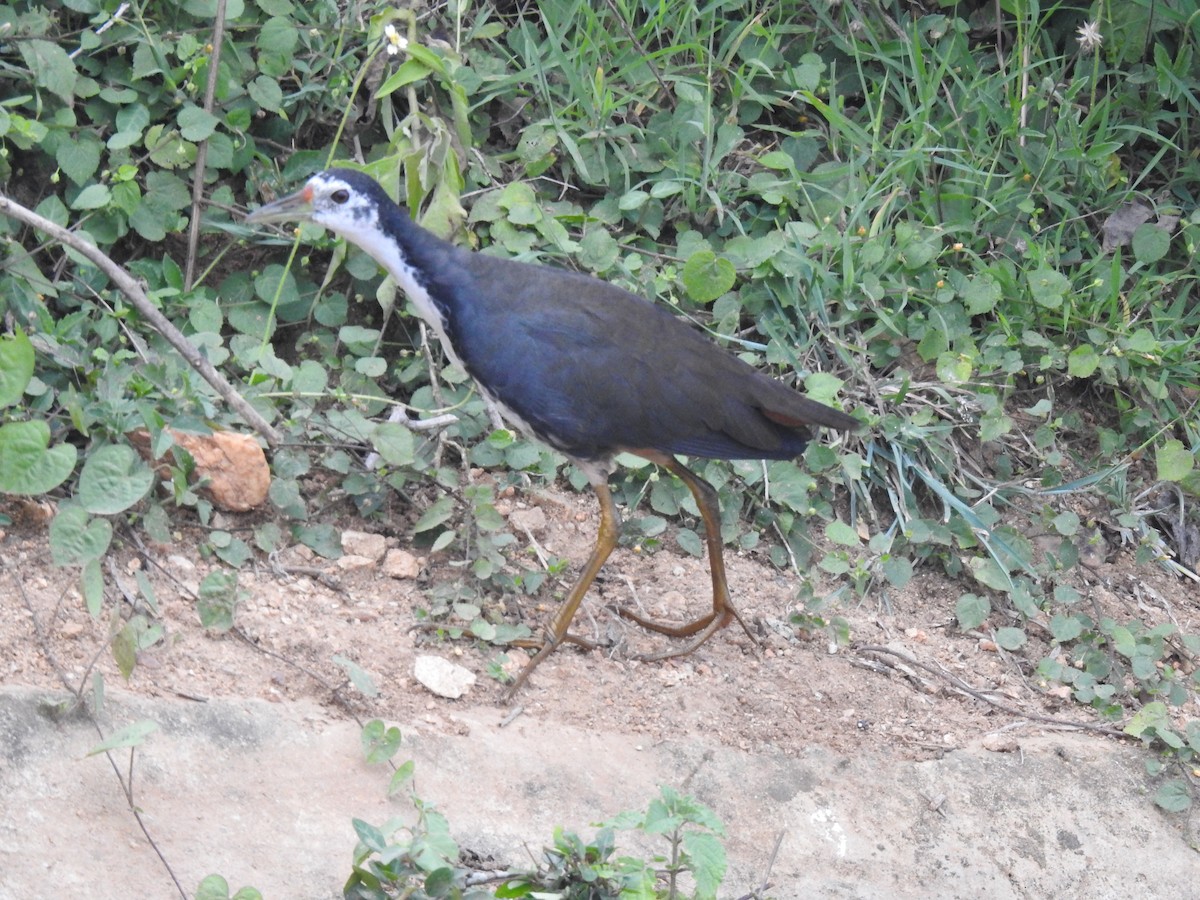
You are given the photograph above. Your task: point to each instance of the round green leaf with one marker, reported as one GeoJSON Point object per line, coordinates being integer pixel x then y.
{"type": "Point", "coordinates": [1150, 243]}
{"type": "Point", "coordinates": [394, 443]}
{"type": "Point", "coordinates": [1048, 287]}
{"type": "Point", "coordinates": [196, 124]}
{"type": "Point", "coordinates": [28, 465]}
{"type": "Point", "coordinates": [1174, 795]}
{"type": "Point", "coordinates": [897, 570]}
{"type": "Point", "coordinates": [989, 574]}
{"type": "Point", "coordinates": [981, 295]}
{"type": "Point", "coordinates": [707, 276]}
{"type": "Point", "coordinates": [841, 533]}
{"type": "Point", "coordinates": [1082, 361]}
{"type": "Point", "coordinates": [971, 611]}
{"type": "Point", "coordinates": [1010, 638]}
{"type": "Point", "coordinates": [1173, 460]}
{"type": "Point", "coordinates": [113, 479]}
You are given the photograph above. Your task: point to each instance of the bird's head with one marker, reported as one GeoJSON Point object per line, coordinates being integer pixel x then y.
{"type": "Point", "coordinates": [344, 201]}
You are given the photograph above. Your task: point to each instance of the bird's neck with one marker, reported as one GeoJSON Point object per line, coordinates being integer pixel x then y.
{"type": "Point", "coordinates": [405, 250]}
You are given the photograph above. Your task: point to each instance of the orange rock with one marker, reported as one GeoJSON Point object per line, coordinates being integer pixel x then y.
{"type": "Point", "coordinates": [234, 465]}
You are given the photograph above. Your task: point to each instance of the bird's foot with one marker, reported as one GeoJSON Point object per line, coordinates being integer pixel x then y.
{"type": "Point", "coordinates": [545, 648]}
{"type": "Point", "coordinates": [700, 630]}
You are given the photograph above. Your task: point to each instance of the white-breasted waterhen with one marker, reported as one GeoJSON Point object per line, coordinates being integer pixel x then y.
{"type": "Point", "coordinates": [587, 367]}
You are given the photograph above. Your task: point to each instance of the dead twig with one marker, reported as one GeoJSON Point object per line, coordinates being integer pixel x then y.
{"type": "Point", "coordinates": [129, 286]}
{"type": "Point", "coordinates": [959, 685]}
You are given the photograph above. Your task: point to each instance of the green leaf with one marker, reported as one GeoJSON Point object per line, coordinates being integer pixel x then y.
{"type": "Point", "coordinates": [897, 570]}
{"type": "Point", "coordinates": [79, 158]}
{"type": "Point", "coordinates": [706, 857]}
{"type": "Point", "coordinates": [1010, 638]}
{"type": "Point", "coordinates": [994, 424]}
{"type": "Point", "coordinates": [989, 574]}
{"type": "Point", "coordinates": [1150, 243]}
{"type": "Point", "coordinates": [130, 736]}
{"type": "Point", "coordinates": [632, 200]}
{"type": "Point", "coordinates": [94, 196]}
{"type": "Point", "coordinates": [823, 387]}
{"type": "Point", "coordinates": [16, 367]}
{"type": "Point", "coordinates": [841, 533]}
{"type": "Point", "coordinates": [971, 611]}
{"type": "Point", "coordinates": [1174, 461]}
{"type": "Point", "coordinates": [278, 35]}
{"type": "Point", "coordinates": [371, 836]}
{"type": "Point", "coordinates": [213, 887]}
{"type": "Point", "coordinates": [358, 676]}
{"type": "Point", "coordinates": [689, 542]}
{"type": "Point", "coordinates": [1082, 361]}
{"type": "Point", "coordinates": [1174, 795]}
{"type": "Point", "coordinates": [196, 124]}
{"type": "Point", "coordinates": [955, 368]}
{"type": "Point", "coordinates": [409, 72]}
{"type": "Point", "coordinates": [322, 538]}
{"type": "Point", "coordinates": [233, 551]}
{"type": "Point", "coordinates": [124, 650]}
{"type": "Point", "coordinates": [1066, 523]}
{"type": "Point", "coordinates": [113, 479]}
{"type": "Point", "coordinates": [217, 601]}
{"type": "Point", "coordinates": [379, 742]}
{"type": "Point", "coordinates": [1151, 716]}
{"type": "Point", "coordinates": [91, 585]}
{"type": "Point", "coordinates": [1065, 628]}
{"type": "Point", "coordinates": [981, 295]}
{"type": "Point", "coordinates": [401, 776]}
{"type": "Point", "coordinates": [707, 276]}
{"type": "Point", "coordinates": [777, 159]}
{"type": "Point", "coordinates": [76, 538]}
{"type": "Point", "coordinates": [441, 510]}
{"type": "Point", "coordinates": [1048, 287]}
{"type": "Point", "coordinates": [520, 203]}
{"type": "Point", "coordinates": [267, 93]}
{"type": "Point", "coordinates": [28, 465]}
{"type": "Point", "coordinates": [394, 443]}
{"type": "Point", "coordinates": [51, 67]}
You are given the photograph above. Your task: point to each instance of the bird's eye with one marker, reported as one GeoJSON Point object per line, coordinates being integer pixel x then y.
{"type": "Point", "coordinates": [340, 196]}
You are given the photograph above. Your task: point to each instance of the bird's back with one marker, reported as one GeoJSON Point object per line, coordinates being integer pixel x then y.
{"type": "Point", "coordinates": [593, 369]}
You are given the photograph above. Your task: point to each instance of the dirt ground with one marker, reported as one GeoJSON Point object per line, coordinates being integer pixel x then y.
{"type": "Point", "coordinates": [926, 693]}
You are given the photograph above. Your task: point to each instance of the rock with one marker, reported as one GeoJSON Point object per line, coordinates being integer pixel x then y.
{"type": "Point", "coordinates": [352, 562]}
{"type": "Point", "coordinates": [364, 543]}
{"type": "Point", "coordinates": [401, 564]}
{"type": "Point", "coordinates": [1000, 743]}
{"type": "Point", "coordinates": [532, 520]}
{"type": "Point", "coordinates": [443, 677]}
{"type": "Point", "coordinates": [233, 465]}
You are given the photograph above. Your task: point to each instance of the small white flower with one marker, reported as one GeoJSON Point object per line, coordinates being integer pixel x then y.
{"type": "Point", "coordinates": [396, 41]}
{"type": "Point", "coordinates": [1089, 36]}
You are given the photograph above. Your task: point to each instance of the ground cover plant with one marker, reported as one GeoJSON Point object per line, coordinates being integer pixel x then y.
{"type": "Point", "coordinates": [974, 224]}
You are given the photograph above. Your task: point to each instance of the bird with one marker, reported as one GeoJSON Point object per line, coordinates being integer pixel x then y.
{"type": "Point", "coordinates": [582, 365]}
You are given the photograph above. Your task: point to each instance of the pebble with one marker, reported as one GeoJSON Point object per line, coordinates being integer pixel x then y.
{"type": "Point", "coordinates": [442, 677]}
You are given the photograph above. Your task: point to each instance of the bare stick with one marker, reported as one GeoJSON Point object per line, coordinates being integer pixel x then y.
{"type": "Point", "coordinates": [133, 291]}
{"type": "Point", "coordinates": [210, 91]}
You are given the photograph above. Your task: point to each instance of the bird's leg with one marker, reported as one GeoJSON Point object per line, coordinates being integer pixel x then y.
{"type": "Point", "coordinates": [556, 630]}
{"type": "Point", "coordinates": [723, 611]}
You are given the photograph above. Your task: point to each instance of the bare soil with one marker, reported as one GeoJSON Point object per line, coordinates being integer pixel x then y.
{"type": "Point", "coordinates": [926, 691]}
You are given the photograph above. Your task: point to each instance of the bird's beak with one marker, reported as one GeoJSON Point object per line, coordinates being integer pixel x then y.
{"type": "Point", "coordinates": [292, 208]}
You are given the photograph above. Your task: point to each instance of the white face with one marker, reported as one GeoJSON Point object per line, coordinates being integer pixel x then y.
{"type": "Point", "coordinates": [348, 204]}
{"type": "Point", "coordinates": [339, 206]}
{"type": "Point", "coordinates": [327, 200]}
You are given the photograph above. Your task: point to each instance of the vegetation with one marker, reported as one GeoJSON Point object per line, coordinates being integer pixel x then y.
{"type": "Point", "coordinates": [976, 228]}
